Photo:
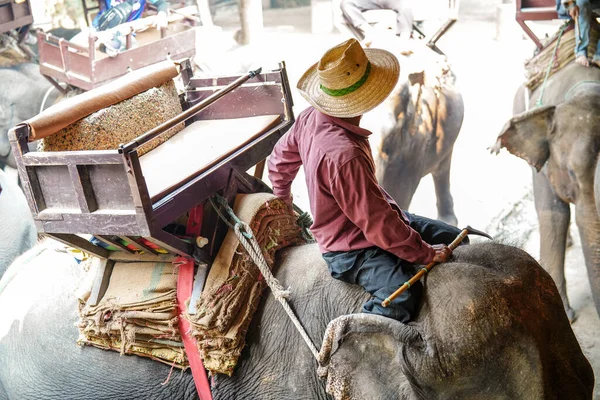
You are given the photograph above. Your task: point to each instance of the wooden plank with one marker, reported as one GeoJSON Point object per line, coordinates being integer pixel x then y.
{"type": "Point", "coordinates": [115, 243]}
{"type": "Point", "coordinates": [177, 46]}
{"type": "Point", "coordinates": [80, 243]}
{"type": "Point", "coordinates": [81, 183]}
{"type": "Point", "coordinates": [214, 179]}
{"type": "Point", "coordinates": [143, 257]}
{"type": "Point", "coordinates": [87, 157]}
{"type": "Point", "coordinates": [101, 281]}
{"type": "Point", "coordinates": [243, 102]}
{"type": "Point", "coordinates": [171, 243]}
{"type": "Point", "coordinates": [18, 137]}
{"type": "Point", "coordinates": [260, 169]}
{"type": "Point", "coordinates": [140, 244]}
{"type": "Point", "coordinates": [95, 224]}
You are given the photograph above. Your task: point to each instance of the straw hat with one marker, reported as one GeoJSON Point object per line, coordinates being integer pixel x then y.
{"type": "Point", "coordinates": [349, 81]}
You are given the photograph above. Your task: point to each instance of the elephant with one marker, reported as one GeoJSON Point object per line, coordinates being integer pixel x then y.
{"type": "Point", "coordinates": [23, 93]}
{"type": "Point", "coordinates": [491, 326]}
{"type": "Point", "coordinates": [560, 139]}
{"type": "Point", "coordinates": [416, 128]}
{"type": "Point", "coordinates": [18, 232]}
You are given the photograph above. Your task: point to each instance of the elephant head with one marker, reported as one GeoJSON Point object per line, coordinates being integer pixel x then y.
{"type": "Point", "coordinates": [562, 143]}
{"type": "Point", "coordinates": [489, 328]}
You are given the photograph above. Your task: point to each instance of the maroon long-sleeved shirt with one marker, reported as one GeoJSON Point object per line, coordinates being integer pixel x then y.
{"type": "Point", "coordinates": [350, 210]}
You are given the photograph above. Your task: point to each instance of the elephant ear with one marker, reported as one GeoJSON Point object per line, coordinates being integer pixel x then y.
{"type": "Point", "coordinates": [527, 136]}
{"type": "Point", "coordinates": [361, 357]}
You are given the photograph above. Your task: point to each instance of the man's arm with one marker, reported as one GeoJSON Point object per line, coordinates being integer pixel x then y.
{"type": "Point", "coordinates": [358, 195]}
{"type": "Point", "coordinates": [283, 166]}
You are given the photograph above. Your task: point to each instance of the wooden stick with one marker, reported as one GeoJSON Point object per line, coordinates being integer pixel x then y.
{"type": "Point", "coordinates": [423, 270]}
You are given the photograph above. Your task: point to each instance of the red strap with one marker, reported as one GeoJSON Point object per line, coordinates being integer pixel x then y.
{"type": "Point", "coordinates": [185, 282]}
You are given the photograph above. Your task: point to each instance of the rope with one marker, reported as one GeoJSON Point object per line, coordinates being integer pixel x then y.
{"type": "Point", "coordinates": [244, 234]}
{"type": "Point", "coordinates": [552, 59]}
{"type": "Point", "coordinates": [42, 106]}
{"type": "Point", "coordinates": [305, 221]}
{"type": "Point", "coordinates": [575, 86]}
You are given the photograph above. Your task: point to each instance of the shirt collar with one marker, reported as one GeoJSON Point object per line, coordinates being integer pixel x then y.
{"type": "Point", "coordinates": [343, 124]}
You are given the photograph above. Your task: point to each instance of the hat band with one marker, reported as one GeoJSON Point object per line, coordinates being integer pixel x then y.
{"type": "Point", "coordinates": [349, 89]}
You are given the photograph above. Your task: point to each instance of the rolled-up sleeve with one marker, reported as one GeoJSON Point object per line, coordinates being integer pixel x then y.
{"type": "Point", "coordinates": [284, 164]}
{"type": "Point", "coordinates": [357, 192]}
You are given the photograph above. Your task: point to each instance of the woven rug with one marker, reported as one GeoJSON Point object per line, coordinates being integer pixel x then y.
{"type": "Point", "coordinates": [137, 314]}
{"type": "Point", "coordinates": [234, 285]}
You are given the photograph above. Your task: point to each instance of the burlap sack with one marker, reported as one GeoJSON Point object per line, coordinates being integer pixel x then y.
{"type": "Point", "coordinates": [234, 285]}
{"type": "Point", "coordinates": [137, 314]}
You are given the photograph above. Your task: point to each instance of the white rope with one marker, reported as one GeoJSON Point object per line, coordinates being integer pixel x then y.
{"type": "Point", "coordinates": [46, 98]}
{"type": "Point", "coordinates": [255, 252]}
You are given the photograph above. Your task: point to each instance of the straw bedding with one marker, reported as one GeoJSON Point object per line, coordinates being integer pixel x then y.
{"type": "Point", "coordinates": [234, 284]}
{"type": "Point", "coordinates": [120, 123]}
{"type": "Point", "coordinates": [537, 66]}
{"type": "Point", "coordinates": [137, 315]}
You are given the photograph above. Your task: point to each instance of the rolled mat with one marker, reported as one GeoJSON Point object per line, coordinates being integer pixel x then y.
{"type": "Point", "coordinates": [234, 285]}
{"type": "Point", "coordinates": [73, 109]}
{"type": "Point", "coordinates": [137, 314]}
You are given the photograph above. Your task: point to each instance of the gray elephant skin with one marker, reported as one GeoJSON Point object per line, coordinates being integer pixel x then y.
{"type": "Point", "coordinates": [424, 118]}
{"type": "Point", "coordinates": [491, 326]}
{"type": "Point", "coordinates": [561, 140]}
{"type": "Point", "coordinates": [22, 91]}
{"type": "Point", "coordinates": [17, 229]}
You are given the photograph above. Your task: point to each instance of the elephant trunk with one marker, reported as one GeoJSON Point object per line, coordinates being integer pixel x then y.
{"type": "Point", "coordinates": [588, 222]}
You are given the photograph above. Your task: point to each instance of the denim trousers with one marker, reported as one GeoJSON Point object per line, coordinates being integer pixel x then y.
{"type": "Point", "coordinates": [585, 17]}
{"type": "Point", "coordinates": [380, 273]}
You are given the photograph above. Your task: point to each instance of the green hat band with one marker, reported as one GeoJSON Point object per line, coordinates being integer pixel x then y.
{"type": "Point", "coordinates": [349, 89]}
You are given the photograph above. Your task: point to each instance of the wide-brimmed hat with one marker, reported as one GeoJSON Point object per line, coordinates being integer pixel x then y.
{"type": "Point", "coordinates": [349, 81]}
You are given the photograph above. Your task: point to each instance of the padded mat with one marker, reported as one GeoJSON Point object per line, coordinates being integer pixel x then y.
{"type": "Point", "coordinates": [197, 147]}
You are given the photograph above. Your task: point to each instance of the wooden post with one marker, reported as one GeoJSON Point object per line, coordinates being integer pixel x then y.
{"type": "Point", "coordinates": [204, 12]}
{"type": "Point", "coordinates": [251, 19]}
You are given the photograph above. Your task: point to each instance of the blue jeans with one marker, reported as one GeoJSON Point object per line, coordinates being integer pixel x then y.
{"type": "Point", "coordinates": [585, 17]}
{"type": "Point", "coordinates": [380, 273]}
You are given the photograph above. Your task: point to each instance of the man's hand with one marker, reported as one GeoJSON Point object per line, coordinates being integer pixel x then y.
{"type": "Point", "coordinates": [442, 253]}
{"type": "Point", "coordinates": [160, 21]}
{"type": "Point", "coordinates": [573, 10]}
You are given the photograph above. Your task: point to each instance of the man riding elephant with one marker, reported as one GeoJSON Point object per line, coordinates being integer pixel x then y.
{"type": "Point", "coordinates": [363, 235]}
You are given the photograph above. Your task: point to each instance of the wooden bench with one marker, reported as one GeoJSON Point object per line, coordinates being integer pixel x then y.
{"type": "Point", "coordinates": [118, 194]}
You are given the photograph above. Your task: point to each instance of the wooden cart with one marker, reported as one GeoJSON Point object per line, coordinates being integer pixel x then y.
{"type": "Point", "coordinates": [535, 10]}
{"type": "Point", "coordinates": [16, 15]}
{"type": "Point", "coordinates": [118, 194]}
{"type": "Point", "coordinates": [86, 67]}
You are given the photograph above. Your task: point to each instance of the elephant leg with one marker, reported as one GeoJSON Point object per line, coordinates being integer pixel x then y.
{"type": "Point", "coordinates": [445, 202]}
{"type": "Point", "coordinates": [554, 216]}
{"type": "Point", "coordinates": [402, 184]}
{"type": "Point", "coordinates": [588, 224]}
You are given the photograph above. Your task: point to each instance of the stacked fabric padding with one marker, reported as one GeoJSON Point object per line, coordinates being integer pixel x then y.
{"type": "Point", "coordinates": [537, 66]}
{"type": "Point", "coordinates": [137, 314]}
{"type": "Point", "coordinates": [120, 123]}
{"type": "Point", "coordinates": [234, 285]}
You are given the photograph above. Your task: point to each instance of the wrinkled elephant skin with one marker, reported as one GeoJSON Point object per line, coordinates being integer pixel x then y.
{"type": "Point", "coordinates": [23, 89]}
{"type": "Point", "coordinates": [561, 140]}
{"type": "Point", "coordinates": [17, 229]}
{"type": "Point", "coordinates": [491, 326]}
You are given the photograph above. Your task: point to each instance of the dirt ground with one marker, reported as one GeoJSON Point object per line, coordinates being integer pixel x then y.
{"type": "Point", "coordinates": [490, 192]}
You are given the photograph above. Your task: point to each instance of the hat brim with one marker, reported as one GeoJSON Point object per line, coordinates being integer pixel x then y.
{"type": "Point", "coordinates": [382, 79]}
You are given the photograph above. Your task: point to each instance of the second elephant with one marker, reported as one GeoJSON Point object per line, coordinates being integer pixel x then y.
{"type": "Point", "coordinates": [561, 140]}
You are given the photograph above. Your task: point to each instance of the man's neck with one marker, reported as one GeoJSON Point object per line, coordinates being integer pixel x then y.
{"type": "Point", "coordinates": [353, 120]}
